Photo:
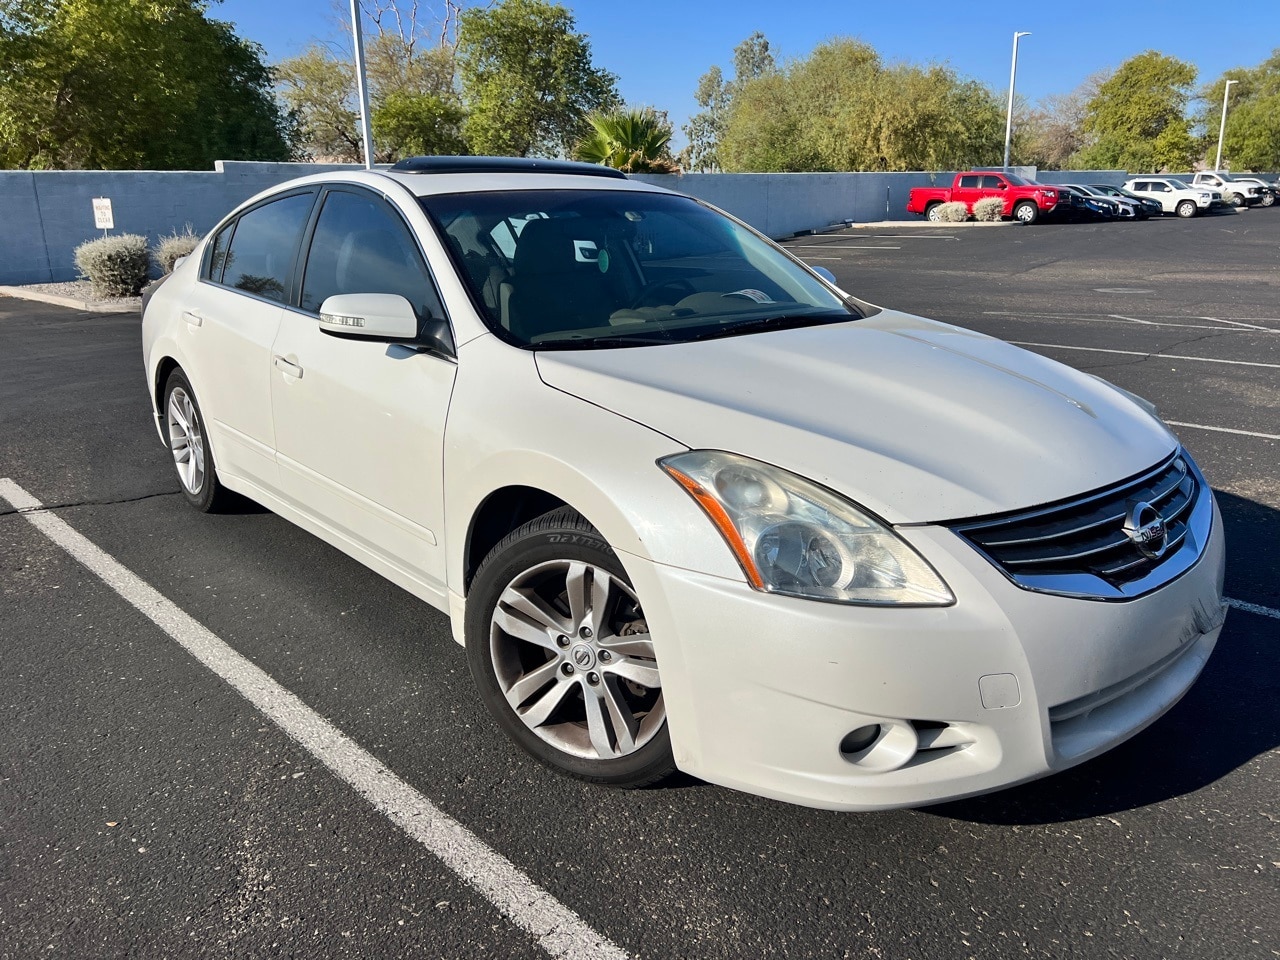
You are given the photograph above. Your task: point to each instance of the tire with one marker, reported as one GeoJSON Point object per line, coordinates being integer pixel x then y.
{"type": "Point", "coordinates": [1026, 212]}
{"type": "Point", "coordinates": [931, 213]}
{"type": "Point", "coordinates": [1186, 209]}
{"type": "Point", "coordinates": [185, 434]}
{"type": "Point", "coordinates": [559, 649]}
{"type": "Point", "coordinates": [1268, 199]}
{"type": "Point", "coordinates": [1235, 200]}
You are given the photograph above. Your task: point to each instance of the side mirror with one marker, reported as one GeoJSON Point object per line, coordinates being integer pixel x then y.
{"type": "Point", "coordinates": [369, 316]}
{"type": "Point", "coordinates": [826, 275]}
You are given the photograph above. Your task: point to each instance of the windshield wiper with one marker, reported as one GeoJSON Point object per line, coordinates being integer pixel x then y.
{"type": "Point", "coordinates": [759, 324]}
{"type": "Point", "coordinates": [592, 343]}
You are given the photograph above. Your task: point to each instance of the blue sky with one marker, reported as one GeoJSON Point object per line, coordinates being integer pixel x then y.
{"type": "Point", "coordinates": [659, 48]}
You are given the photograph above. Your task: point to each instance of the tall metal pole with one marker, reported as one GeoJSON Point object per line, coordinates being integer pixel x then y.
{"type": "Point", "coordinates": [1008, 120]}
{"type": "Point", "coordinates": [1222, 127]}
{"type": "Point", "coordinates": [362, 85]}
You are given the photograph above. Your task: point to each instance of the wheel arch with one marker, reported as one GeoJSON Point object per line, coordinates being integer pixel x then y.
{"type": "Point", "coordinates": [502, 511]}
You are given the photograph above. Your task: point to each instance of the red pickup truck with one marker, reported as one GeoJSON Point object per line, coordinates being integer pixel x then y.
{"type": "Point", "coordinates": [1023, 199]}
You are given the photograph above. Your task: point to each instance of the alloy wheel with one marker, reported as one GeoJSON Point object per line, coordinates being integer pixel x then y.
{"type": "Point", "coordinates": [186, 440]}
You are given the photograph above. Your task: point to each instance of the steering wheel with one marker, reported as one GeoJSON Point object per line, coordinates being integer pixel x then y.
{"type": "Point", "coordinates": [646, 293]}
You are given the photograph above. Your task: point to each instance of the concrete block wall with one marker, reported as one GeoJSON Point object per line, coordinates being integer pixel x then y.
{"type": "Point", "coordinates": [45, 215]}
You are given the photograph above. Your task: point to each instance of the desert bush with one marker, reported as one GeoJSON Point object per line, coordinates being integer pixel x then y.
{"type": "Point", "coordinates": [989, 209]}
{"type": "Point", "coordinates": [115, 266]}
{"type": "Point", "coordinates": [173, 246]}
{"type": "Point", "coordinates": [953, 212]}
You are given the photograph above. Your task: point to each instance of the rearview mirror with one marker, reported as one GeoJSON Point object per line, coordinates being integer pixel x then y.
{"type": "Point", "coordinates": [371, 316]}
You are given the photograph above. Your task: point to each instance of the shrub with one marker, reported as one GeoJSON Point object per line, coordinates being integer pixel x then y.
{"type": "Point", "coordinates": [953, 212]}
{"type": "Point", "coordinates": [116, 266]}
{"type": "Point", "coordinates": [170, 248]}
{"type": "Point", "coordinates": [989, 209]}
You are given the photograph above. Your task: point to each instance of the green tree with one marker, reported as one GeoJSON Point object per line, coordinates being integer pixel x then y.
{"type": "Point", "coordinates": [752, 59]}
{"type": "Point", "coordinates": [132, 84]}
{"type": "Point", "coordinates": [413, 99]}
{"type": "Point", "coordinates": [527, 79]}
{"type": "Point", "coordinates": [843, 108]}
{"type": "Point", "coordinates": [1137, 120]}
{"type": "Point", "coordinates": [1252, 138]}
{"type": "Point", "coordinates": [633, 141]}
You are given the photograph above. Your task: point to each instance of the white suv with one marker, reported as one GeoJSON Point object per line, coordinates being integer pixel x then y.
{"type": "Point", "coordinates": [687, 503]}
{"type": "Point", "coordinates": [1174, 195]}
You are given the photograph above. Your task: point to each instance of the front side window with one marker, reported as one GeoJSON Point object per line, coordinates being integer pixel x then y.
{"type": "Point", "coordinates": [992, 183]}
{"type": "Point", "coordinates": [595, 268]}
{"type": "Point", "coordinates": [359, 246]}
{"type": "Point", "coordinates": [260, 257]}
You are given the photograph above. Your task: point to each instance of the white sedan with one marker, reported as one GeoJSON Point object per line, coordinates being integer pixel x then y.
{"type": "Point", "coordinates": [687, 503]}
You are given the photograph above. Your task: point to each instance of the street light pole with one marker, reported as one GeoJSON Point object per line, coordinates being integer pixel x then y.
{"type": "Point", "coordinates": [1013, 75]}
{"type": "Point", "coordinates": [1222, 127]}
{"type": "Point", "coordinates": [362, 85]}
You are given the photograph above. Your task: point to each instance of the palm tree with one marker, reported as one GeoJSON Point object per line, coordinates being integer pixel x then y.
{"type": "Point", "coordinates": [633, 141]}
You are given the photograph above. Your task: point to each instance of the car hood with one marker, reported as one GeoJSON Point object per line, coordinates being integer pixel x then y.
{"type": "Point", "coordinates": [915, 420]}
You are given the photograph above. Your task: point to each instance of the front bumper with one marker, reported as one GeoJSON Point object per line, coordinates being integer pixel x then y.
{"type": "Point", "coordinates": [1002, 687]}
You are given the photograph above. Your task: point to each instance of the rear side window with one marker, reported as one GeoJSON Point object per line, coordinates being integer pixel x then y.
{"type": "Point", "coordinates": [359, 246]}
{"type": "Point", "coordinates": [969, 183]}
{"type": "Point", "coordinates": [260, 257]}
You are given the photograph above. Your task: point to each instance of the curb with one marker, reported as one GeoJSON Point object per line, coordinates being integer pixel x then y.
{"type": "Point", "coordinates": [90, 306]}
{"type": "Point", "coordinates": [918, 225]}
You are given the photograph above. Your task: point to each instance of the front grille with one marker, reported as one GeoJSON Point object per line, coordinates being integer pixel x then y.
{"type": "Point", "coordinates": [1051, 547]}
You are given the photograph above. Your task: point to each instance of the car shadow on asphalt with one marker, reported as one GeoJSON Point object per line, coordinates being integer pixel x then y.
{"type": "Point", "coordinates": [1230, 716]}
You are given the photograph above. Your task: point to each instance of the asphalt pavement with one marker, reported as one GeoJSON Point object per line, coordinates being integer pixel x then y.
{"type": "Point", "coordinates": [147, 809]}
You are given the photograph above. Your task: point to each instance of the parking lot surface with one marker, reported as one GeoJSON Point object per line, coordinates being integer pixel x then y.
{"type": "Point", "coordinates": [152, 809]}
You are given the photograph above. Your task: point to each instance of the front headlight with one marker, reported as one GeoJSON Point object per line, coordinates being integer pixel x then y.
{"type": "Point", "coordinates": [796, 538]}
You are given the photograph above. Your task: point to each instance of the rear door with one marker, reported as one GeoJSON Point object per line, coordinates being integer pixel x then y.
{"type": "Point", "coordinates": [359, 424]}
{"type": "Point", "coordinates": [969, 189]}
{"type": "Point", "coordinates": [232, 318]}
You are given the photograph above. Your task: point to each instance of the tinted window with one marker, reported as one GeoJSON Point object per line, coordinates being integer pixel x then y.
{"type": "Point", "coordinates": [359, 246]}
{"type": "Point", "coordinates": [263, 247]}
{"type": "Point", "coordinates": [218, 254]}
{"type": "Point", "coordinates": [969, 183]}
{"type": "Point", "coordinates": [992, 183]}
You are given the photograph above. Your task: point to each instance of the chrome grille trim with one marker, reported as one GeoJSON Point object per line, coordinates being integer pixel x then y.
{"type": "Point", "coordinates": [1078, 547]}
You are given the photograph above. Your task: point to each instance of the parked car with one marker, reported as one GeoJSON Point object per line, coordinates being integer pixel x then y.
{"type": "Point", "coordinates": [1079, 204]}
{"type": "Point", "coordinates": [1024, 200]}
{"type": "Point", "coordinates": [1174, 195]}
{"type": "Point", "coordinates": [686, 502]}
{"type": "Point", "coordinates": [1267, 191]}
{"type": "Point", "coordinates": [1149, 206]}
{"type": "Point", "coordinates": [1126, 208]}
{"type": "Point", "coordinates": [1235, 193]}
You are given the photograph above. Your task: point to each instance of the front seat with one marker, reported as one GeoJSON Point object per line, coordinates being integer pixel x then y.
{"type": "Point", "coordinates": [556, 288]}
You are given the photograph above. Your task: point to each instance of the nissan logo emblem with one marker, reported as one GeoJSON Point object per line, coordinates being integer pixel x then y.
{"type": "Point", "coordinates": [1146, 529]}
{"type": "Point", "coordinates": [583, 656]}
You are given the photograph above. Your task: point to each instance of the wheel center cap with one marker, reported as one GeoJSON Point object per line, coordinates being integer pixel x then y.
{"type": "Point", "coordinates": [583, 657]}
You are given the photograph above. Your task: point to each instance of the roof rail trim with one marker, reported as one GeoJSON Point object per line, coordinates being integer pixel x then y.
{"type": "Point", "coordinates": [503, 165]}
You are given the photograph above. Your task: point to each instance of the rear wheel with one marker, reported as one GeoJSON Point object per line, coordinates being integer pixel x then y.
{"type": "Point", "coordinates": [1026, 212]}
{"type": "Point", "coordinates": [931, 213]}
{"type": "Point", "coordinates": [560, 651]}
{"type": "Point", "coordinates": [192, 457]}
{"type": "Point", "coordinates": [1186, 208]}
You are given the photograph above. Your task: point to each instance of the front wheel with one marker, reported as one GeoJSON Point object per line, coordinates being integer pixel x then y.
{"type": "Point", "coordinates": [560, 650]}
{"type": "Point", "coordinates": [1026, 212]}
{"type": "Point", "coordinates": [1235, 200]}
{"type": "Point", "coordinates": [1187, 208]}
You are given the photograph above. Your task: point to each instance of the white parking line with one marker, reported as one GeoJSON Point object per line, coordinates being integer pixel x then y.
{"type": "Point", "coordinates": [558, 930]}
{"type": "Point", "coordinates": [1141, 353]}
{"type": "Point", "coordinates": [1253, 608]}
{"type": "Point", "coordinates": [834, 246]}
{"type": "Point", "coordinates": [1117, 318]}
{"type": "Point", "coordinates": [1243, 433]}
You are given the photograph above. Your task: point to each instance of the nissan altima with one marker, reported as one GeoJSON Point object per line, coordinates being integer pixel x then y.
{"type": "Point", "coordinates": [686, 502]}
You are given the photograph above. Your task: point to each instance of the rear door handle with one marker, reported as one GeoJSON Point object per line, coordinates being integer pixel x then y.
{"type": "Point", "coordinates": [193, 318]}
{"type": "Point", "coordinates": [291, 369]}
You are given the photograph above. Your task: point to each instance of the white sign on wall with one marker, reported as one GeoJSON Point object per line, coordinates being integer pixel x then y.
{"type": "Point", "coordinates": [102, 218]}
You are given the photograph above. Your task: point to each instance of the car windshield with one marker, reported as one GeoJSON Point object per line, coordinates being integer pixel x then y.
{"type": "Point", "coordinates": [1018, 181]}
{"type": "Point", "coordinates": [580, 269]}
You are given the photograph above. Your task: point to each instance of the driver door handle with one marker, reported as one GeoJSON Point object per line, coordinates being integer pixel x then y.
{"type": "Point", "coordinates": [291, 369]}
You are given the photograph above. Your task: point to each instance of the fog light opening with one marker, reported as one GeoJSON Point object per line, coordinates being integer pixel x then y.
{"type": "Point", "coordinates": [855, 741]}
